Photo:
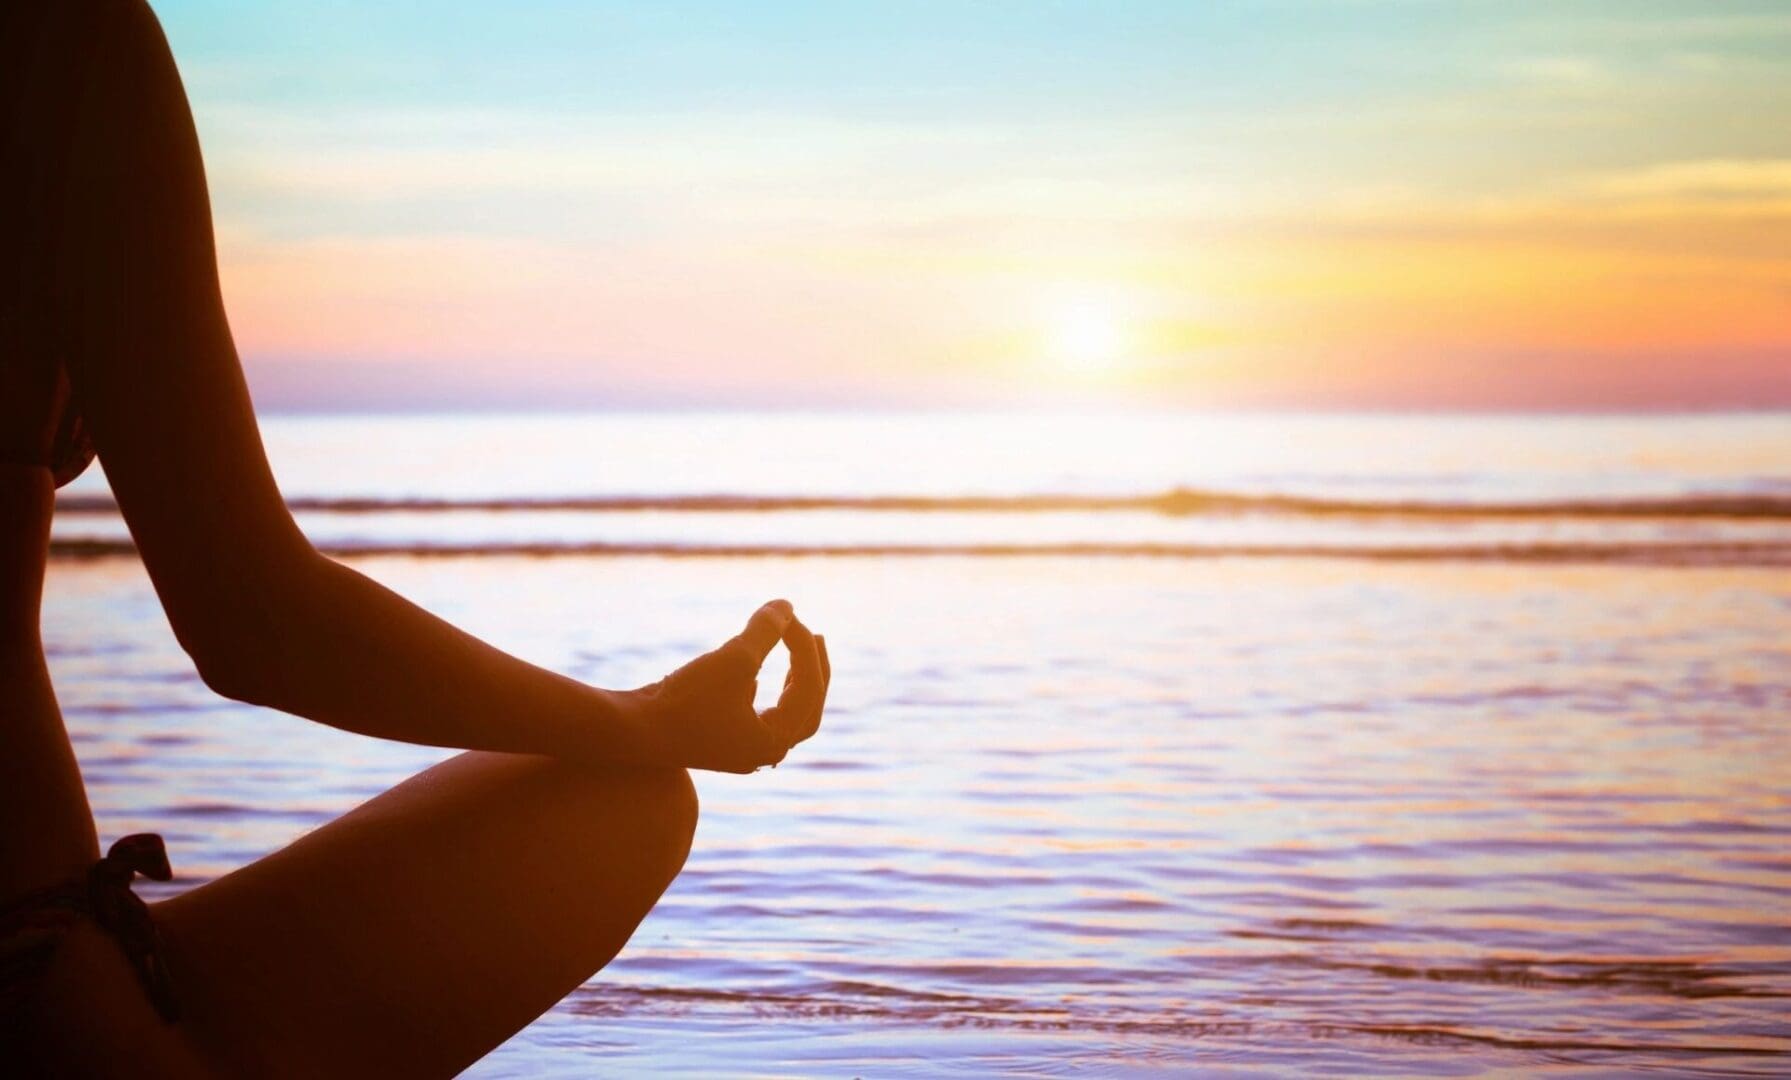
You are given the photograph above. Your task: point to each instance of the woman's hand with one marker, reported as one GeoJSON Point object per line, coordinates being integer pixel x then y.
{"type": "Point", "coordinates": [701, 716]}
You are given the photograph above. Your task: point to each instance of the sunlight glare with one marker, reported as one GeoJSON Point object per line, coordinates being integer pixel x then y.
{"type": "Point", "coordinates": [1087, 336]}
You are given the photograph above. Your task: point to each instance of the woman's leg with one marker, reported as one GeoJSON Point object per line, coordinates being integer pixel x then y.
{"type": "Point", "coordinates": [419, 931]}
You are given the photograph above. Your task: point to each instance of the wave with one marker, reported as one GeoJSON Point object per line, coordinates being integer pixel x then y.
{"type": "Point", "coordinates": [1742, 554]}
{"type": "Point", "coordinates": [889, 1006]}
{"type": "Point", "coordinates": [1177, 502]}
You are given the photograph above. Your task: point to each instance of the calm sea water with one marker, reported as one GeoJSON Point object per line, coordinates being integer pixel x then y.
{"type": "Point", "coordinates": [1259, 746]}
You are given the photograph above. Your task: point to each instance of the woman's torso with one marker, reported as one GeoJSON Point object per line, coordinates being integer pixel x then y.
{"type": "Point", "coordinates": [46, 833]}
{"type": "Point", "coordinates": [40, 420]}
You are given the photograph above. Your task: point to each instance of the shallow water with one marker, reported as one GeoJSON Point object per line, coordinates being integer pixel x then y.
{"type": "Point", "coordinates": [1113, 814]}
{"type": "Point", "coordinates": [1500, 784]}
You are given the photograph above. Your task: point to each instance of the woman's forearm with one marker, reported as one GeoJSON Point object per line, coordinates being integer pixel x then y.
{"type": "Point", "coordinates": [329, 644]}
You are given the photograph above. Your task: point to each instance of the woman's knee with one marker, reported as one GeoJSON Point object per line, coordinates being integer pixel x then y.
{"type": "Point", "coordinates": [668, 808]}
{"type": "Point", "coordinates": [654, 809]}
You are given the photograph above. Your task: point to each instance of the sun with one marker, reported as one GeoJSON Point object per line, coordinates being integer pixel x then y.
{"type": "Point", "coordinates": [1087, 336]}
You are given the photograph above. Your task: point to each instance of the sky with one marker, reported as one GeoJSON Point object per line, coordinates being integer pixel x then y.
{"type": "Point", "coordinates": [1385, 204]}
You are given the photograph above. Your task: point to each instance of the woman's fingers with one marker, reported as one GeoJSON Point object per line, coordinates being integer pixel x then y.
{"type": "Point", "coordinates": [811, 722]}
{"type": "Point", "coordinates": [826, 683]}
{"type": "Point", "coordinates": [769, 746]}
{"type": "Point", "coordinates": [763, 631]}
{"type": "Point", "coordinates": [797, 706]}
{"type": "Point", "coordinates": [797, 714]}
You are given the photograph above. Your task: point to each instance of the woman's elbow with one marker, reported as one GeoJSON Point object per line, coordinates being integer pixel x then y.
{"type": "Point", "coordinates": [233, 674]}
{"type": "Point", "coordinates": [234, 664]}
{"type": "Point", "coordinates": [239, 639]}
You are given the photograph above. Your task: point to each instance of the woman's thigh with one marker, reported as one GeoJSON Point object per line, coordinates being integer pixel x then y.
{"type": "Point", "coordinates": [421, 930]}
{"type": "Point", "coordinates": [88, 1016]}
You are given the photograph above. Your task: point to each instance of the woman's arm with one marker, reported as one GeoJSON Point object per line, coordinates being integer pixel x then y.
{"type": "Point", "coordinates": [264, 616]}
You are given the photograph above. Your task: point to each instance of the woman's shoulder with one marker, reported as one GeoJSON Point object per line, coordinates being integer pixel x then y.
{"type": "Point", "coordinates": [80, 72]}
{"type": "Point", "coordinates": [44, 44]}
{"type": "Point", "coordinates": [21, 21]}
{"type": "Point", "coordinates": [66, 26]}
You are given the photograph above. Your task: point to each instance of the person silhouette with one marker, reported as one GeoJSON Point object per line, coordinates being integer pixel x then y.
{"type": "Point", "coordinates": [418, 931]}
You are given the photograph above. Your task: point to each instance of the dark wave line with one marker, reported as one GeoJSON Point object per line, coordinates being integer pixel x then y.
{"type": "Point", "coordinates": [1179, 502]}
{"type": "Point", "coordinates": [1666, 554]}
{"type": "Point", "coordinates": [1018, 1014]}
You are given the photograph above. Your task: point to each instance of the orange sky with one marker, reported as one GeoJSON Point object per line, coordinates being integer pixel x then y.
{"type": "Point", "coordinates": [1282, 204]}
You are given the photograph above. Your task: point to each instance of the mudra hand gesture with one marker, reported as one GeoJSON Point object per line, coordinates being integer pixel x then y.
{"type": "Point", "coordinates": [702, 715]}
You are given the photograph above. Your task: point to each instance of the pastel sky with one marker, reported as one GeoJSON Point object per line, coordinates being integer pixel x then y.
{"type": "Point", "coordinates": [1355, 203]}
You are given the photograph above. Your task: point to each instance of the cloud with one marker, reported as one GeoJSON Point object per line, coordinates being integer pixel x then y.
{"type": "Point", "coordinates": [394, 154]}
{"type": "Point", "coordinates": [1710, 183]}
{"type": "Point", "coordinates": [1574, 75]}
{"type": "Point", "coordinates": [1703, 26]}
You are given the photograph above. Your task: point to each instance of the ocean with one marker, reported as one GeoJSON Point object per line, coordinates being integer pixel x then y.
{"type": "Point", "coordinates": [1160, 743]}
